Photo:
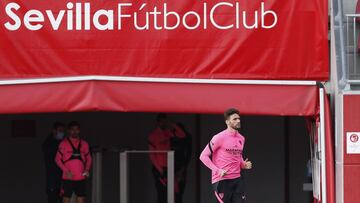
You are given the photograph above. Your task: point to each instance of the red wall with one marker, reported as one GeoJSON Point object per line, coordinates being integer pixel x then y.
{"type": "Point", "coordinates": [351, 161]}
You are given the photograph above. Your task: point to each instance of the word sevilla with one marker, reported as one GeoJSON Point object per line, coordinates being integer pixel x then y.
{"type": "Point", "coordinates": [80, 16]}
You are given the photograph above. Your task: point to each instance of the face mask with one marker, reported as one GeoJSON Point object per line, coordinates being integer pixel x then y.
{"type": "Point", "coordinates": [60, 136]}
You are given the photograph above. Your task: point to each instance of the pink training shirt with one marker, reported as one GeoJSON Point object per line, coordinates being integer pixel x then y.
{"type": "Point", "coordinates": [75, 166]}
{"type": "Point", "coordinates": [224, 152]}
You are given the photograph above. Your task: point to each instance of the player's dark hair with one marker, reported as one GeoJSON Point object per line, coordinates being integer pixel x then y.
{"type": "Point", "coordinates": [161, 117]}
{"type": "Point", "coordinates": [58, 124]}
{"type": "Point", "coordinates": [73, 124]}
{"type": "Point", "coordinates": [230, 112]}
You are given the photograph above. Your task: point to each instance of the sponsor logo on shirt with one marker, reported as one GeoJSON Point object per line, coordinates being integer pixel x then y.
{"type": "Point", "coordinates": [234, 151]}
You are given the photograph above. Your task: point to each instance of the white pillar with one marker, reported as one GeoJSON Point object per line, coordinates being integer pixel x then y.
{"type": "Point", "coordinates": [322, 145]}
{"type": "Point", "coordinates": [96, 195]}
{"type": "Point", "coordinates": [124, 174]}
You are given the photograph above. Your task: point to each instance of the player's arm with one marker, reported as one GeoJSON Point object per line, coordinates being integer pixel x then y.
{"type": "Point", "coordinates": [206, 155]}
{"type": "Point", "coordinates": [59, 157]}
{"type": "Point", "coordinates": [152, 145]}
{"type": "Point", "coordinates": [178, 131]}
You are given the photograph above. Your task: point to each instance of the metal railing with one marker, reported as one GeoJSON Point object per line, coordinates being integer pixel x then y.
{"type": "Point", "coordinates": [96, 181]}
{"type": "Point", "coordinates": [352, 54]}
{"type": "Point", "coordinates": [124, 174]}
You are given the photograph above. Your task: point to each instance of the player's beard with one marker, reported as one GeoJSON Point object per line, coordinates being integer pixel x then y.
{"type": "Point", "coordinates": [236, 126]}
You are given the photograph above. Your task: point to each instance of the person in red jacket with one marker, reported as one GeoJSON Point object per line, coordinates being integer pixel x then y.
{"type": "Point", "coordinates": [74, 159]}
{"type": "Point", "coordinates": [169, 136]}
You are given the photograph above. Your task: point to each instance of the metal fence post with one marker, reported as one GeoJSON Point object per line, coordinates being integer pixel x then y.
{"type": "Point", "coordinates": [170, 177]}
{"type": "Point", "coordinates": [123, 177]}
{"type": "Point", "coordinates": [124, 192]}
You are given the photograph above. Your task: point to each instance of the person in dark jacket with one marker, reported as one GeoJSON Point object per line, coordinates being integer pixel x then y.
{"type": "Point", "coordinates": [53, 172]}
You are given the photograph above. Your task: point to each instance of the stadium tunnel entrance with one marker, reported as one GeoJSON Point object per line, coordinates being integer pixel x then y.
{"type": "Point", "coordinates": [278, 146]}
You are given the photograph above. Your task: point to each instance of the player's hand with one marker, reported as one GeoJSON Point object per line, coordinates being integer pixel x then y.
{"type": "Point", "coordinates": [69, 174]}
{"type": "Point", "coordinates": [86, 173]}
{"type": "Point", "coordinates": [222, 172]}
{"type": "Point", "coordinates": [248, 164]}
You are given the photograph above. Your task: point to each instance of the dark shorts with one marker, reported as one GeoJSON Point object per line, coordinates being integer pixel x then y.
{"type": "Point", "coordinates": [78, 187]}
{"type": "Point", "coordinates": [230, 191]}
